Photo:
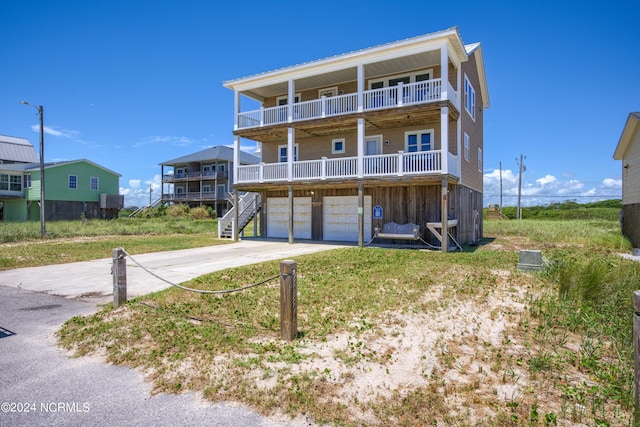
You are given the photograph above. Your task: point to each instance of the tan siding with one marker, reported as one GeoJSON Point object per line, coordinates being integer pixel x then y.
{"type": "Point", "coordinates": [471, 176]}
{"type": "Point", "coordinates": [631, 174]}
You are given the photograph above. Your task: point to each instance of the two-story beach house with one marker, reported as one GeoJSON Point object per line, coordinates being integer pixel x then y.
{"type": "Point", "coordinates": [73, 188]}
{"type": "Point", "coordinates": [203, 178]}
{"type": "Point", "coordinates": [387, 134]}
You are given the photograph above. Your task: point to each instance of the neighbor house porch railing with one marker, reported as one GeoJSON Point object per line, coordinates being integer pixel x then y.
{"type": "Point", "coordinates": [375, 99]}
{"type": "Point", "coordinates": [192, 196]}
{"type": "Point", "coordinates": [384, 165]}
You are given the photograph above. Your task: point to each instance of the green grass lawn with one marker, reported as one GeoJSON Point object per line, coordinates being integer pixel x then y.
{"type": "Point", "coordinates": [402, 337]}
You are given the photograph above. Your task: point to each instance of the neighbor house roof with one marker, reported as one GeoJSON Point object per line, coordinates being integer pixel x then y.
{"type": "Point", "coordinates": [33, 166]}
{"type": "Point", "coordinates": [343, 67]}
{"type": "Point", "coordinates": [630, 128]}
{"type": "Point", "coordinates": [15, 149]}
{"type": "Point", "coordinates": [214, 153]}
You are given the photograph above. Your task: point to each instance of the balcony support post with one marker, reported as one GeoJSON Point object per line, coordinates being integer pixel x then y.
{"type": "Point", "coordinates": [444, 67]}
{"type": "Point", "coordinates": [290, 99]}
{"type": "Point", "coordinates": [236, 158]}
{"type": "Point", "coordinates": [290, 153]}
{"type": "Point", "coordinates": [360, 166]}
{"type": "Point", "coordinates": [444, 140]}
{"type": "Point", "coordinates": [323, 172]}
{"type": "Point", "coordinates": [360, 88]}
{"type": "Point", "coordinates": [400, 163]}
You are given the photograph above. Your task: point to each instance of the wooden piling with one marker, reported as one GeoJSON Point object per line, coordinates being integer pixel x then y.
{"type": "Point", "coordinates": [288, 300]}
{"type": "Point", "coordinates": [119, 272]}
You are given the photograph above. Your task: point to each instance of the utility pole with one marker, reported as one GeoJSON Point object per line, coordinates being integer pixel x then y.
{"type": "Point", "coordinates": [500, 187]}
{"type": "Point", "coordinates": [150, 193]}
{"type": "Point", "coordinates": [521, 168]}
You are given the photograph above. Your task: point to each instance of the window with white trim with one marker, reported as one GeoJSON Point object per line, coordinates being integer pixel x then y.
{"type": "Point", "coordinates": [94, 183]}
{"type": "Point", "coordinates": [282, 153]}
{"type": "Point", "coordinates": [469, 98]}
{"type": "Point", "coordinates": [418, 76]}
{"type": "Point", "coordinates": [27, 181]}
{"type": "Point", "coordinates": [337, 146]}
{"type": "Point", "coordinates": [15, 182]}
{"type": "Point", "coordinates": [206, 188]}
{"type": "Point", "coordinates": [418, 140]}
{"type": "Point", "coordinates": [479, 159]}
{"type": "Point", "coordinates": [466, 147]}
{"type": "Point", "coordinates": [73, 182]}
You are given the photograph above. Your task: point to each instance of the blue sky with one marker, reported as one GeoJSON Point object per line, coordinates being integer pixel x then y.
{"type": "Point", "coordinates": [130, 84]}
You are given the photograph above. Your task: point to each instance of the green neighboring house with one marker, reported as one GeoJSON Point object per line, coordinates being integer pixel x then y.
{"type": "Point", "coordinates": [73, 189]}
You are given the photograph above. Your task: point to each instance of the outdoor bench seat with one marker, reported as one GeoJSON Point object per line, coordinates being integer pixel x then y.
{"type": "Point", "coordinates": [391, 230]}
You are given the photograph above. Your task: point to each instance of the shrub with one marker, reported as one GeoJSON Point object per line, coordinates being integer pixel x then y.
{"type": "Point", "coordinates": [200, 213]}
{"type": "Point", "coordinates": [177, 210]}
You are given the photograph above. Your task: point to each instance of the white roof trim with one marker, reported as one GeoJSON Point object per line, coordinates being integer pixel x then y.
{"type": "Point", "coordinates": [630, 127]}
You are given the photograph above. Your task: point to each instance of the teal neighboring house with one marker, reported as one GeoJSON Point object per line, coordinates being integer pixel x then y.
{"type": "Point", "coordinates": [73, 189]}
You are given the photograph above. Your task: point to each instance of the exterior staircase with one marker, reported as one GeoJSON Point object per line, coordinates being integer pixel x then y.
{"type": "Point", "coordinates": [144, 208]}
{"type": "Point", "coordinates": [249, 204]}
{"type": "Point", "coordinates": [493, 212]}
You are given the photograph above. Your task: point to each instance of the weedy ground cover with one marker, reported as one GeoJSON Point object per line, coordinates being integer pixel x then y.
{"type": "Point", "coordinates": [71, 241]}
{"type": "Point", "coordinates": [401, 337]}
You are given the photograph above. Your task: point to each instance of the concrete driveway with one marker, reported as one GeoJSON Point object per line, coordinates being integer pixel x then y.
{"type": "Point", "coordinates": [41, 385]}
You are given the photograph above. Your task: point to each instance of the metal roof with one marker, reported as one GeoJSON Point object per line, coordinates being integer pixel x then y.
{"type": "Point", "coordinates": [214, 153]}
{"type": "Point", "coordinates": [24, 167]}
{"type": "Point", "coordinates": [15, 149]}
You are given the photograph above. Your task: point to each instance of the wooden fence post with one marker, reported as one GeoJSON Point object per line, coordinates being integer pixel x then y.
{"type": "Point", "coordinates": [119, 272]}
{"type": "Point", "coordinates": [636, 357]}
{"type": "Point", "coordinates": [288, 300]}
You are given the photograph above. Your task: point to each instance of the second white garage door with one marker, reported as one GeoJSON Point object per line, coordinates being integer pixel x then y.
{"type": "Point", "coordinates": [278, 217]}
{"type": "Point", "coordinates": [340, 218]}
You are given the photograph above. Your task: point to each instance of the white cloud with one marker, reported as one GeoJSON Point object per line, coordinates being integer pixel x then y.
{"type": "Point", "coordinates": [545, 190]}
{"type": "Point", "coordinates": [546, 180]}
{"type": "Point", "coordinates": [612, 183]}
{"type": "Point", "coordinates": [71, 134]}
{"type": "Point", "coordinates": [137, 193]}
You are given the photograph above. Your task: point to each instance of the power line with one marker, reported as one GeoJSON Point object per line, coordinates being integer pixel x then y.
{"type": "Point", "coordinates": [565, 197]}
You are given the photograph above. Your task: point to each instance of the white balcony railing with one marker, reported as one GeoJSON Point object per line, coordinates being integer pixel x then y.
{"type": "Point", "coordinates": [397, 164]}
{"type": "Point", "coordinates": [375, 99]}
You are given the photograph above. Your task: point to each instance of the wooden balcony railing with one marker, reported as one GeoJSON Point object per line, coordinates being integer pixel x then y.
{"type": "Point", "coordinates": [194, 196]}
{"type": "Point", "coordinates": [385, 165]}
{"type": "Point", "coordinates": [375, 99]}
{"type": "Point", "coordinates": [195, 176]}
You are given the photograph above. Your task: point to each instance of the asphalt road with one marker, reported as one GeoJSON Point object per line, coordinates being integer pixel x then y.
{"type": "Point", "coordinates": [41, 385]}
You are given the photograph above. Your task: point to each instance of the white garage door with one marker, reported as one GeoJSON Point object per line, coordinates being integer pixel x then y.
{"type": "Point", "coordinates": [278, 217]}
{"type": "Point", "coordinates": [340, 218]}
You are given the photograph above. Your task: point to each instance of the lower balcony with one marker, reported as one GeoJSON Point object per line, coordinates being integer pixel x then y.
{"type": "Point", "coordinates": [195, 196]}
{"type": "Point", "coordinates": [400, 164]}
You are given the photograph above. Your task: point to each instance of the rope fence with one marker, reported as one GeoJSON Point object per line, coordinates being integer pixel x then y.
{"type": "Point", "coordinates": [288, 289]}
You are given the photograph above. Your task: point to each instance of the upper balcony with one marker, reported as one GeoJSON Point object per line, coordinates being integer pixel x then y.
{"type": "Point", "coordinates": [402, 95]}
